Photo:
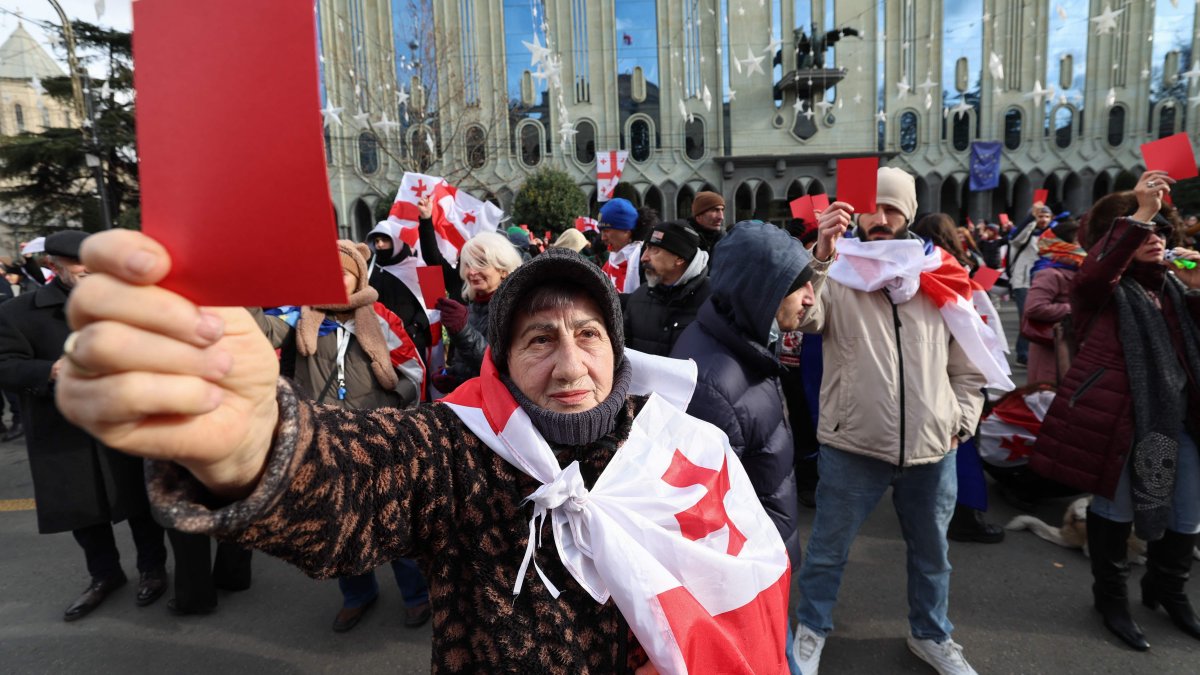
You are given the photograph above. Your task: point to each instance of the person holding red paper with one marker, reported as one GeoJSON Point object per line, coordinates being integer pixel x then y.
{"type": "Point", "coordinates": [485, 261]}
{"type": "Point", "coordinates": [1023, 254]}
{"type": "Point", "coordinates": [663, 559]}
{"type": "Point", "coordinates": [906, 360]}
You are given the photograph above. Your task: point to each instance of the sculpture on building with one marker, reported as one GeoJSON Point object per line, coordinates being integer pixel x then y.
{"type": "Point", "coordinates": [810, 51]}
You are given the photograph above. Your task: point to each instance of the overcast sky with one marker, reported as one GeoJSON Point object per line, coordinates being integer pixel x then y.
{"type": "Point", "coordinates": [117, 14]}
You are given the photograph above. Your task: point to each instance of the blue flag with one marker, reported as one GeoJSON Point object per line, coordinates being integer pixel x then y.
{"type": "Point", "coordinates": [985, 165]}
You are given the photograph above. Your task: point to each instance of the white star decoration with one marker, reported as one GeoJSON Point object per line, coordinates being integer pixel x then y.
{"type": "Point", "coordinates": [961, 109]}
{"type": "Point", "coordinates": [386, 124]}
{"type": "Point", "coordinates": [823, 106]}
{"type": "Point", "coordinates": [331, 114]}
{"type": "Point", "coordinates": [707, 98]}
{"type": "Point", "coordinates": [903, 87]}
{"type": "Point", "coordinates": [362, 119]}
{"type": "Point", "coordinates": [753, 63]}
{"type": "Point", "coordinates": [732, 94]}
{"type": "Point", "coordinates": [537, 53]}
{"type": "Point", "coordinates": [773, 46]}
{"type": "Point", "coordinates": [996, 66]}
{"type": "Point", "coordinates": [928, 85]}
{"type": "Point", "coordinates": [1111, 99]}
{"type": "Point", "coordinates": [1106, 21]}
{"type": "Point", "coordinates": [798, 106]}
{"type": "Point", "coordinates": [1193, 73]}
{"type": "Point", "coordinates": [567, 132]}
{"type": "Point", "coordinates": [1038, 95]}
{"type": "Point", "coordinates": [881, 117]}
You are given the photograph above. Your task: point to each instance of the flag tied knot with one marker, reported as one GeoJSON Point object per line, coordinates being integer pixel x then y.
{"type": "Point", "coordinates": [563, 498]}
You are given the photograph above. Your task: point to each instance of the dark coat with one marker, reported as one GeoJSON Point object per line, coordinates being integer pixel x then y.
{"type": "Point", "coordinates": [76, 481]}
{"type": "Point", "coordinates": [467, 348]}
{"type": "Point", "coordinates": [655, 316]}
{"type": "Point", "coordinates": [400, 300]}
{"type": "Point", "coordinates": [1087, 435]}
{"type": "Point", "coordinates": [739, 388]}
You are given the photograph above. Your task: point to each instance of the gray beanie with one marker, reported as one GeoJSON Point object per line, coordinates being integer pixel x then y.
{"type": "Point", "coordinates": [556, 266]}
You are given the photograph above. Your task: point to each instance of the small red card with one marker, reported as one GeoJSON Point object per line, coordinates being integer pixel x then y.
{"type": "Point", "coordinates": [433, 283]}
{"type": "Point", "coordinates": [1041, 196]}
{"type": "Point", "coordinates": [1004, 219]}
{"type": "Point", "coordinates": [802, 208]}
{"type": "Point", "coordinates": [820, 203]}
{"type": "Point", "coordinates": [229, 111]}
{"type": "Point", "coordinates": [1172, 154]}
{"type": "Point", "coordinates": [986, 277]}
{"type": "Point", "coordinates": [857, 180]}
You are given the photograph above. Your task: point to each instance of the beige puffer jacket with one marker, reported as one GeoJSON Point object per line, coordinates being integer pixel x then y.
{"type": "Point", "coordinates": [900, 406]}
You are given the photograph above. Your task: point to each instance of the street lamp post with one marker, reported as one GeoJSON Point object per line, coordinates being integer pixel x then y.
{"type": "Point", "coordinates": [83, 112]}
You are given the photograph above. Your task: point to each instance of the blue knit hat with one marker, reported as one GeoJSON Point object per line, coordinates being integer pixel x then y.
{"type": "Point", "coordinates": [619, 214]}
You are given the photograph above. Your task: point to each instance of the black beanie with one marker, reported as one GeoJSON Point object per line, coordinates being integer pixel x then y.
{"type": "Point", "coordinates": [677, 237]}
{"type": "Point", "coordinates": [555, 266]}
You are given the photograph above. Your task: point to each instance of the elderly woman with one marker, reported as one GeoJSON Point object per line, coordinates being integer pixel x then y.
{"type": "Point", "coordinates": [1125, 422]}
{"type": "Point", "coordinates": [485, 260]}
{"type": "Point", "coordinates": [555, 428]}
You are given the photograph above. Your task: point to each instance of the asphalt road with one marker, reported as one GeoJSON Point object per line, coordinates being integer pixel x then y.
{"type": "Point", "coordinates": [1023, 606]}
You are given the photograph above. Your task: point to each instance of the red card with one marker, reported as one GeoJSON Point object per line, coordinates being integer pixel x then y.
{"type": "Point", "coordinates": [433, 284]}
{"type": "Point", "coordinates": [986, 277]}
{"type": "Point", "coordinates": [1172, 154]}
{"type": "Point", "coordinates": [229, 111]}
{"type": "Point", "coordinates": [802, 208]}
{"type": "Point", "coordinates": [1004, 219]}
{"type": "Point", "coordinates": [857, 180]}
{"type": "Point", "coordinates": [1041, 196]}
{"type": "Point", "coordinates": [820, 202]}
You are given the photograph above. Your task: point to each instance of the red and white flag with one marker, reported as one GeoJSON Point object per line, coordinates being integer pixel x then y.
{"type": "Point", "coordinates": [624, 267]}
{"type": "Point", "coordinates": [609, 166]}
{"type": "Point", "coordinates": [672, 530]}
{"type": "Point", "coordinates": [401, 349]}
{"type": "Point", "coordinates": [1008, 432]}
{"type": "Point", "coordinates": [904, 267]}
{"type": "Point", "coordinates": [457, 216]}
{"type": "Point", "coordinates": [585, 224]}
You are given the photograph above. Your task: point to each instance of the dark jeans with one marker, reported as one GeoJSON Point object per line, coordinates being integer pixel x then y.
{"type": "Point", "coordinates": [103, 558]}
{"type": "Point", "coordinates": [198, 575]}
{"type": "Point", "coordinates": [360, 589]}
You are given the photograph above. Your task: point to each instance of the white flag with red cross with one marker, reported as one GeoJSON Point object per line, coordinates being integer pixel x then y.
{"type": "Point", "coordinates": [585, 224]}
{"type": "Point", "coordinates": [1008, 432]}
{"type": "Point", "coordinates": [609, 166]}
{"type": "Point", "coordinates": [457, 216]}
{"type": "Point", "coordinates": [672, 531]}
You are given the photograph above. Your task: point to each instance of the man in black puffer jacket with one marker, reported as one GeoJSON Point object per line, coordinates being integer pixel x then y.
{"type": "Point", "coordinates": [658, 312]}
{"type": "Point", "coordinates": [760, 288]}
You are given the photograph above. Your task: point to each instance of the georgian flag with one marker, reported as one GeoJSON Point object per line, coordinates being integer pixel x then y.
{"type": "Point", "coordinates": [585, 224]}
{"type": "Point", "coordinates": [624, 267]}
{"type": "Point", "coordinates": [457, 216]}
{"type": "Point", "coordinates": [609, 166]}
{"type": "Point", "coordinates": [906, 266]}
{"type": "Point", "coordinates": [1008, 432]}
{"type": "Point", "coordinates": [672, 530]}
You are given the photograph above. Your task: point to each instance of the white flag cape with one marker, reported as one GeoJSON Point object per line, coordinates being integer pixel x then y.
{"type": "Point", "coordinates": [624, 267]}
{"type": "Point", "coordinates": [672, 530]}
{"type": "Point", "coordinates": [904, 267]}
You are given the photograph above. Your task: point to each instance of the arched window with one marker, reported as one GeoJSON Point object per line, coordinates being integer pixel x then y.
{"type": "Point", "coordinates": [585, 142]}
{"type": "Point", "coordinates": [531, 147]}
{"type": "Point", "coordinates": [1116, 125]}
{"type": "Point", "coordinates": [693, 138]}
{"type": "Point", "coordinates": [1166, 121]}
{"type": "Point", "coordinates": [962, 131]}
{"type": "Point", "coordinates": [20, 114]}
{"type": "Point", "coordinates": [639, 140]}
{"type": "Point", "coordinates": [908, 132]}
{"type": "Point", "coordinates": [1064, 124]}
{"type": "Point", "coordinates": [368, 152]}
{"type": "Point", "coordinates": [476, 142]}
{"type": "Point", "coordinates": [1012, 128]}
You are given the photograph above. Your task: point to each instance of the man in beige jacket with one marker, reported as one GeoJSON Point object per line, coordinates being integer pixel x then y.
{"type": "Point", "coordinates": [897, 395]}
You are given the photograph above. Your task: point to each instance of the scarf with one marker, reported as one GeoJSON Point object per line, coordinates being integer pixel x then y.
{"type": "Point", "coordinates": [1054, 252]}
{"type": "Point", "coordinates": [623, 267]}
{"type": "Point", "coordinates": [1158, 383]}
{"type": "Point", "coordinates": [367, 331]}
{"type": "Point", "coordinates": [904, 267]}
{"type": "Point", "coordinates": [672, 530]}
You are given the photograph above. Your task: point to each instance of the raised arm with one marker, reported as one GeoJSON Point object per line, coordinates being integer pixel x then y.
{"type": "Point", "coordinates": [153, 375]}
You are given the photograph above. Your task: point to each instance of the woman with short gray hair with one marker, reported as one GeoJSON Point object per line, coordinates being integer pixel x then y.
{"type": "Point", "coordinates": [485, 260]}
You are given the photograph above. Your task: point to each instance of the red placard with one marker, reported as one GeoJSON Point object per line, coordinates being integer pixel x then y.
{"type": "Point", "coordinates": [1172, 154]}
{"type": "Point", "coordinates": [1004, 219]}
{"type": "Point", "coordinates": [986, 277]}
{"type": "Point", "coordinates": [433, 283]}
{"type": "Point", "coordinates": [1041, 196]}
{"type": "Point", "coordinates": [820, 203]}
{"type": "Point", "coordinates": [802, 208]}
{"type": "Point", "coordinates": [229, 111]}
{"type": "Point", "coordinates": [857, 181]}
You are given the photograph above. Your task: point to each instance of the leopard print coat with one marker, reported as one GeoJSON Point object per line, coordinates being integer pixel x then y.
{"type": "Point", "coordinates": [346, 491]}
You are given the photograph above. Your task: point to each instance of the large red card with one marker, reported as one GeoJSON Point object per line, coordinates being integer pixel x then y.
{"type": "Point", "coordinates": [1172, 154]}
{"type": "Point", "coordinates": [1041, 196]}
{"type": "Point", "coordinates": [433, 284]}
{"type": "Point", "coordinates": [986, 277]}
{"type": "Point", "coordinates": [229, 122]}
{"type": "Point", "coordinates": [857, 180]}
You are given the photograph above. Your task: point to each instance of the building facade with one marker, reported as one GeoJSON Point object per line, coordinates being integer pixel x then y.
{"type": "Point", "coordinates": [754, 100]}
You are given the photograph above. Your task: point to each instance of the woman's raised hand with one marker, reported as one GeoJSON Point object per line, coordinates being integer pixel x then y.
{"type": "Point", "coordinates": [151, 374]}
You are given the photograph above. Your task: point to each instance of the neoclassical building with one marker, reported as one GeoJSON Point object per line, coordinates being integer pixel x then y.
{"type": "Point", "coordinates": [752, 99]}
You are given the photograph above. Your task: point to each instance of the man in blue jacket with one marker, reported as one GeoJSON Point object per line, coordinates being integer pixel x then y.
{"type": "Point", "coordinates": [760, 289]}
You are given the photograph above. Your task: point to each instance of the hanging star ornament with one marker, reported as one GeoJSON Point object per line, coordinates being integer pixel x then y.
{"type": "Point", "coordinates": [823, 106]}
{"type": "Point", "coordinates": [537, 52]}
{"type": "Point", "coordinates": [732, 94]}
{"type": "Point", "coordinates": [362, 120]}
{"type": "Point", "coordinates": [858, 99]}
{"type": "Point", "coordinates": [566, 132]}
{"type": "Point", "coordinates": [961, 109]}
{"type": "Point", "coordinates": [903, 87]}
{"type": "Point", "coordinates": [881, 116]}
{"type": "Point", "coordinates": [1039, 95]}
{"type": "Point", "coordinates": [928, 101]}
{"type": "Point", "coordinates": [385, 125]}
{"type": "Point", "coordinates": [798, 106]}
{"type": "Point", "coordinates": [1106, 21]}
{"type": "Point", "coordinates": [1111, 99]}
{"type": "Point", "coordinates": [401, 97]}
{"type": "Point", "coordinates": [753, 63]}
{"type": "Point", "coordinates": [1194, 73]}
{"type": "Point", "coordinates": [928, 85]}
{"type": "Point", "coordinates": [706, 96]}
{"type": "Point", "coordinates": [331, 115]}
{"type": "Point", "coordinates": [996, 66]}
{"type": "Point", "coordinates": [773, 46]}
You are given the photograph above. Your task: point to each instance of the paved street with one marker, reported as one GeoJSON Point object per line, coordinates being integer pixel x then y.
{"type": "Point", "coordinates": [1020, 607]}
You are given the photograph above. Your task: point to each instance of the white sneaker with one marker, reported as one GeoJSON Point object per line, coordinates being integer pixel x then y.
{"type": "Point", "coordinates": [946, 658]}
{"type": "Point", "coordinates": [806, 647]}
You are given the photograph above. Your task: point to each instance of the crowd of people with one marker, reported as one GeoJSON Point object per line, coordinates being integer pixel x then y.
{"type": "Point", "coordinates": [838, 359]}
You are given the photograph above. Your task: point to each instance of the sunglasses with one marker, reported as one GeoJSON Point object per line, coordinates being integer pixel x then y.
{"type": "Point", "coordinates": [1162, 227]}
